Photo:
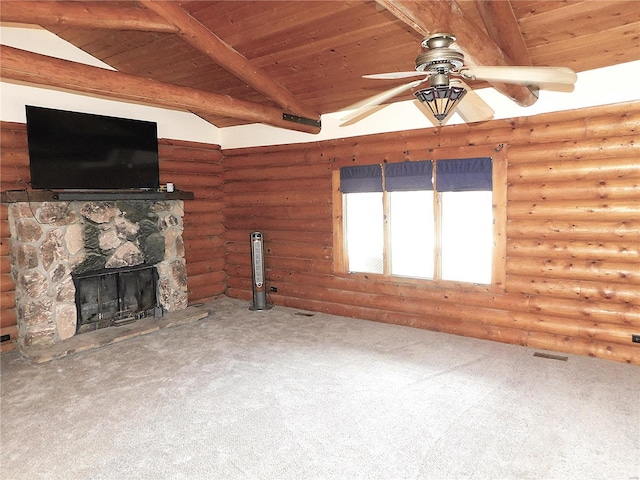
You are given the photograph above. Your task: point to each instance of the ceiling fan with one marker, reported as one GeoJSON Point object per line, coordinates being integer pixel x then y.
{"type": "Point", "coordinates": [444, 68]}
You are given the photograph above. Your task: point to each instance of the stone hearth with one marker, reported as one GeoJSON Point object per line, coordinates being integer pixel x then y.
{"type": "Point", "coordinates": [52, 240]}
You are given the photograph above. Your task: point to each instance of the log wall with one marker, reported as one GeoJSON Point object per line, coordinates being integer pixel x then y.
{"type": "Point", "coordinates": [190, 166]}
{"type": "Point", "coordinates": [573, 220]}
{"type": "Point", "coordinates": [197, 167]}
{"type": "Point", "coordinates": [14, 175]}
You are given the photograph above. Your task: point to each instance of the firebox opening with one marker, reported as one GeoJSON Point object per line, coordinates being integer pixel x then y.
{"type": "Point", "coordinates": [115, 296]}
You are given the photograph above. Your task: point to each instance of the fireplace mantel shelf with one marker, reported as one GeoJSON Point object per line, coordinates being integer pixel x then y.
{"type": "Point", "coordinates": [13, 196]}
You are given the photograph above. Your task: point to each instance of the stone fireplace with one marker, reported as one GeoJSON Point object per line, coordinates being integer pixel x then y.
{"type": "Point", "coordinates": [55, 242]}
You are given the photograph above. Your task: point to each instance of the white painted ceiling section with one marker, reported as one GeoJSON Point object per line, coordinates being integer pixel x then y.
{"type": "Point", "coordinates": [592, 88]}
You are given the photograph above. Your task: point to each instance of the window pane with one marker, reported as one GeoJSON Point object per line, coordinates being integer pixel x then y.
{"type": "Point", "coordinates": [467, 236]}
{"type": "Point", "coordinates": [364, 231]}
{"type": "Point", "coordinates": [412, 229]}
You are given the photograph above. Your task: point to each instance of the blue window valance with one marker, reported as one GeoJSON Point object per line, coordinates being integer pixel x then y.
{"type": "Point", "coordinates": [408, 176]}
{"type": "Point", "coordinates": [464, 175]}
{"type": "Point", "coordinates": [361, 178]}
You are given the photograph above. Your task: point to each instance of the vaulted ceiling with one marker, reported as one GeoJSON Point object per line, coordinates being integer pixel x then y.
{"type": "Point", "coordinates": [236, 62]}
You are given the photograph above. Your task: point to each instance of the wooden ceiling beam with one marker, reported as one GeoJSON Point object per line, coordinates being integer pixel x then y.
{"type": "Point", "coordinates": [207, 42]}
{"type": "Point", "coordinates": [502, 25]}
{"type": "Point", "coordinates": [85, 14]}
{"type": "Point", "coordinates": [445, 16]}
{"type": "Point", "coordinates": [32, 68]}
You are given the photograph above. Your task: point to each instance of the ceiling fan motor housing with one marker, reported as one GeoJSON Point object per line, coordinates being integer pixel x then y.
{"type": "Point", "coordinates": [439, 59]}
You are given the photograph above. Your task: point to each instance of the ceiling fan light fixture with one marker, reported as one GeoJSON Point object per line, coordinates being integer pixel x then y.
{"type": "Point", "coordinates": [441, 100]}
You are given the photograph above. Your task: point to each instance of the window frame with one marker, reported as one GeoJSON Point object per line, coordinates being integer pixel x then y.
{"type": "Point", "coordinates": [498, 155]}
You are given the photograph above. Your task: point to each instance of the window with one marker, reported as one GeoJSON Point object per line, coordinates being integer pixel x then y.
{"type": "Point", "coordinates": [365, 232]}
{"type": "Point", "coordinates": [411, 231]}
{"type": "Point", "coordinates": [409, 193]}
{"type": "Point", "coordinates": [467, 236]}
{"type": "Point", "coordinates": [363, 213]}
{"type": "Point", "coordinates": [432, 220]}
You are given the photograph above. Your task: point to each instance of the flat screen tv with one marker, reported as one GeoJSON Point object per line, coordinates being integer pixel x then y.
{"type": "Point", "coordinates": [80, 151]}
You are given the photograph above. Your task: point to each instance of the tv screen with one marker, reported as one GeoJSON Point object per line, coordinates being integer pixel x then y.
{"type": "Point", "coordinates": [80, 151]}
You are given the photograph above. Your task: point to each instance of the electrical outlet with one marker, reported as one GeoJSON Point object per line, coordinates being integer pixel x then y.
{"type": "Point", "coordinates": [635, 338]}
{"type": "Point", "coordinates": [274, 289]}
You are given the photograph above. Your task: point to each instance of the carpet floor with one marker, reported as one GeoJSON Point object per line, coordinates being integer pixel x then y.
{"type": "Point", "coordinates": [287, 394]}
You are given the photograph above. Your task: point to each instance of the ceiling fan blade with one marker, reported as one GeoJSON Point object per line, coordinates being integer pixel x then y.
{"type": "Point", "coordinates": [472, 108]}
{"type": "Point", "coordinates": [521, 75]}
{"type": "Point", "coordinates": [364, 105]}
{"type": "Point", "coordinates": [556, 87]}
{"type": "Point", "coordinates": [362, 115]}
{"type": "Point", "coordinates": [396, 75]}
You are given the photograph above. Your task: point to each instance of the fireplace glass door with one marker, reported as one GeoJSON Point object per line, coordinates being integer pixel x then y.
{"type": "Point", "coordinates": [115, 296]}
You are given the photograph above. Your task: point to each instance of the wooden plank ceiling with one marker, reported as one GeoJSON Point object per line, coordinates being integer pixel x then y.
{"type": "Point", "coordinates": [261, 58]}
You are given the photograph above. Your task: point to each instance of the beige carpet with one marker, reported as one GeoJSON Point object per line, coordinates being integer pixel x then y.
{"type": "Point", "coordinates": [285, 394]}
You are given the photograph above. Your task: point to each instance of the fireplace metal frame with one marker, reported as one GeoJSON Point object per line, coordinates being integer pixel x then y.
{"type": "Point", "coordinates": [118, 314]}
